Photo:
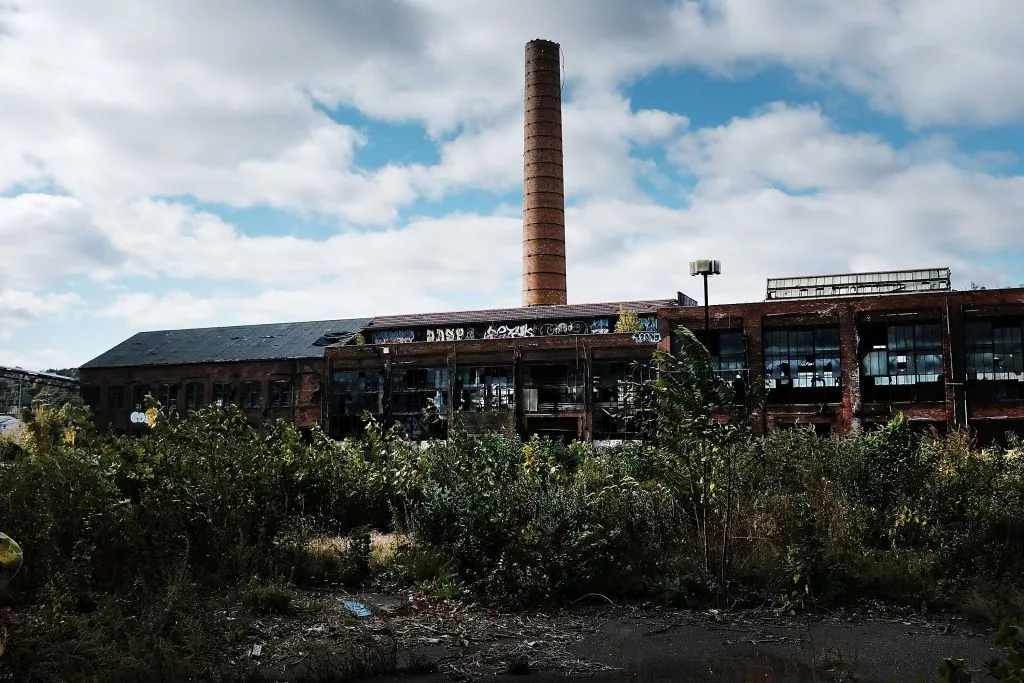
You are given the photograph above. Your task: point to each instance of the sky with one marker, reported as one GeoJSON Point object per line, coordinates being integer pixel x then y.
{"type": "Point", "coordinates": [181, 163]}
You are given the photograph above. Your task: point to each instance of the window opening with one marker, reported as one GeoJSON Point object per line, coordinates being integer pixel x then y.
{"type": "Point", "coordinates": [252, 395]}
{"type": "Point", "coordinates": [194, 395]}
{"type": "Point", "coordinates": [802, 365]}
{"type": "Point", "coordinates": [280, 393]}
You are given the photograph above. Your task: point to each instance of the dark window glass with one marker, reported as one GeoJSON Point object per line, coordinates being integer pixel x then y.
{"type": "Point", "coordinates": [252, 394]}
{"type": "Point", "coordinates": [221, 393]}
{"type": "Point", "coordinates": [994, 359]}
{"type": "Point", "coordinates": [484, 388]}
{"type": "Point", "coordinates": [354, 392]}
{"type": "Point", "coordinates": [168, 395]}
{"type": "Point", "coordinates": [195, 397]}
{"type": "Point", "coordinates": [802, 364]}
{"type": "Point", "coordinates": [91, 396]}
{"type": "Point", "coordinates": [553, 388]}
{"type": "Point", "coordinates": [902, 362]}
{"type": "Point", "coordinates": [117, 397]}
{"type": "Point", "coordinates": [139, 394]}
{"type": "Point", "coordinates": [280, 393]}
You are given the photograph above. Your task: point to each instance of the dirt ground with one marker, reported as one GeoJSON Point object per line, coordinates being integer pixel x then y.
{"type": "Point", "coordinates": [426, 641]}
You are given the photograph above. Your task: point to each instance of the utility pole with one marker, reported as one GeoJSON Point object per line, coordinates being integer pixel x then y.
{"type": "Point", "coordinates": [704, 268]}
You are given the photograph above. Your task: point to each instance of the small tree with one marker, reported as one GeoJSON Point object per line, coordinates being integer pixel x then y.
{"type": "Point", "coordinates": [628, 321]}
{"type": "Point", "coordinates": [702, 422]}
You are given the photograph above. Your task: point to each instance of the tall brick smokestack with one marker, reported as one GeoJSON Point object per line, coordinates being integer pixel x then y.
{"type": "Point", "coordinates": [543, 187]}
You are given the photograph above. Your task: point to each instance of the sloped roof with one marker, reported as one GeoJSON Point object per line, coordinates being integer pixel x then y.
{"type": "Point", "coordinates": [274, 341]}
{"type": "Point", "coordinates": [524, 314]}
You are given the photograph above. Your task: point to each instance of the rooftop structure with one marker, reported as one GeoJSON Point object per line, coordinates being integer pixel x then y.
{"type": "Point", "coordinates": [858, 284]}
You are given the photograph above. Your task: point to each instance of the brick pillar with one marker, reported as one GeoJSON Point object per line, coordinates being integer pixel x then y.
{"type": "Point", "coordinates": [850, 368]}
{"type": "Point", "coordinates": [953, 365]}
{"type": "Point", "coordinates": [753, 333]}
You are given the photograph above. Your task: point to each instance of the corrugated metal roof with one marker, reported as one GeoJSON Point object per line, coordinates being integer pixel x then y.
{"type": "Point", "coordinates": [274, 341]}
{"type": "Point", "coordinates": [503, 315]}
{"type": "Point", "coordinates": [8, 423]}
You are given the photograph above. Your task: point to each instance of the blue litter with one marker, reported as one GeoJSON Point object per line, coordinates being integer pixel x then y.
{"type": "Point", "coordinates": [356, 608]}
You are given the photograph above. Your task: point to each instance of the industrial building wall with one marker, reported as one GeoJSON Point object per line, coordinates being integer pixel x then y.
{"type": "Point", "coordinates": [565, 386]}
{"type": "Point", "coordinates": [268, 390]}
{"type": "Point", "coordinates": [849, 363]}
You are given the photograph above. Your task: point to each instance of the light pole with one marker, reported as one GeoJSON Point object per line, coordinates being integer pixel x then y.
{"type": "Point", "coordinates": [704, 268]}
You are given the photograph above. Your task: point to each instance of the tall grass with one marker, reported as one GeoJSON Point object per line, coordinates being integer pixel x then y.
{"type": "Point", "coordinates": [205, 504]}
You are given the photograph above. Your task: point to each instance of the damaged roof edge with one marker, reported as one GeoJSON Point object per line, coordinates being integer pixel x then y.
{"type": "Point", "coordinates": [234, 344]}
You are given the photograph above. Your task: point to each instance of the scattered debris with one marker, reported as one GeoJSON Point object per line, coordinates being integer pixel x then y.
{"type": "Point", "coordinates": [356, 608]}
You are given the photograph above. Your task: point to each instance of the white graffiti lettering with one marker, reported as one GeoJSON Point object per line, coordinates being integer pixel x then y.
{"type": "Point", "coordinates": [599, 326]}
{"type": "Point", "coordinates": [451, 334]}
{"type": "Point", "coordinates": [647, 337]}
{"type": "Point", "coordinates": [577, 327]}
{"type": "Point", "coordinates": [394, 337]}
{"type": "Point", "coordinates": [508, 331]}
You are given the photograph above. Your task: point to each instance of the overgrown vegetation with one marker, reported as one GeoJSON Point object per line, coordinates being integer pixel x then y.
{"type": "Point", "coordinates": [204, 510]}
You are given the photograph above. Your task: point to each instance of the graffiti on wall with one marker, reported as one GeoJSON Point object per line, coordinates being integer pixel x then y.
{"type": "Point", "coordinates": [646, 338]}
{"type": "Point", "coordinates": [508, 331]}
{"type": "Point", "coordinates": [451, 334]}
{"type": "Point", "coordinates": [394, 337]}
{"type": "Point", "coordinates": [648, 323]}
{"type": "Point", "coordinates": [577, 327]}
{"type": "Point", "coordinates": [599, 326]}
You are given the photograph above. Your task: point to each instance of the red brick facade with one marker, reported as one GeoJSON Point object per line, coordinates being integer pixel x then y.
{"type": "Point", "coordinates": [950, 309]}
{"type": "Point", "coordinates": [303, 405]}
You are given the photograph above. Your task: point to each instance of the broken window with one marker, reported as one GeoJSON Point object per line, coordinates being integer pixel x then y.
{"type": "Point", "coordinates": [117, 398]}
{"type": "Point", "coordinates": [553, 388]}
{"type": "Point", "coordinates": [801, 365]}
{"type": "Point", "coordinates": [994, 351]}
{"type": "Point", "coordinates": [139, 394]}
{"type": "Point", "coordinates": [618, 409]}
{"type": "Point", "coordinates": [252, 395]}
{"type": "Point", "coordinates": [414, 390]}
{"type": "Point", "coordinates": [354, 392]}
{"type": "Point", "coordinates": [221, 393]}
{"type": "Point", "coordinates": [91, 396]}
{"type": "Point", "coordinates": [481, 389]}
{"type": "Point", "coordinates": [194, 395]}
{"type": "Point", "coordinates": [902, 362]}
{"type": "Point", "coordinates": [280, 393]}
{"type": "Point", "coordinates": [419, 400]}
{"type": "Point", "coordinates": [728, 350]}
{"type": "Point", "coordinates": [167, 395]}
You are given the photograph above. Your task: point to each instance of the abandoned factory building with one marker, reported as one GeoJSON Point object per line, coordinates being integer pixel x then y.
{"type": "Point", "coordinates": [832, 357]}
{"type": "Point", "coordinates": [836, 352]}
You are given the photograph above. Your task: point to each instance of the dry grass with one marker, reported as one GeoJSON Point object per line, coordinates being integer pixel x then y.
{"type": "Point", "coordinates": [991, 607]}
{"type": "Point", "coordinates": [384, 549]}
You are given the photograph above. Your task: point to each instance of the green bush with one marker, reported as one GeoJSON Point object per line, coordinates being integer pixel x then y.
{"type": "Point", "coordinates": [205, 504]}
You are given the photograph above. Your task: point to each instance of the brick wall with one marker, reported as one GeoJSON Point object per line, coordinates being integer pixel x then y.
{"type": "Point", "coordinates": [951, 309]}
{"type": "Point", "coordinates": [305, 376]}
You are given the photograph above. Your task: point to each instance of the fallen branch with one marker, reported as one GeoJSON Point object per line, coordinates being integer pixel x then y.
{"type": "Point", "coordinates": [592, 595]}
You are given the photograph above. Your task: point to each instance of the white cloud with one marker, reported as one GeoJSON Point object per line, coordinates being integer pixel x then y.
{"type": "Point", "coordinates": [931, 61]}
{"type": "Point", "coordinates": [19, 308]}
{"type": "Point", "coordinates": [600, 131]}
{"type": "Point", "coordinates": [121, 109]}
{"type": "Point", "coordinates": [47, 238]}
{"type": "Point", "coordinates": [870, 207]}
